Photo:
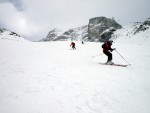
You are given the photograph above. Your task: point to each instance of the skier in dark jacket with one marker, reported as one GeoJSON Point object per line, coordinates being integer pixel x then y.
{"type": "Point", "coordinates": [106, 50]}
{"type": "Point", "coordinates": [82, 42]}
{"type": "Point", "coordinates": [73, 45]}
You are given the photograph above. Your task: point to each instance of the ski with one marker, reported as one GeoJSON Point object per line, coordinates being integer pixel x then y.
{"type": "Point", "coordinates": [121, 65]}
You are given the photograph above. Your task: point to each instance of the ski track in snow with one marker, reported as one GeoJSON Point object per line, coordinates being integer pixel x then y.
{"type": "Point", "coordinates": [38, 77]}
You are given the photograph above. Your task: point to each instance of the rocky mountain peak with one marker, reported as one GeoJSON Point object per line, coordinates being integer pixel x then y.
{"type": "Point", "coordinates": [98, 25]}
{"type": "Point", "coordinates": [89, 32]}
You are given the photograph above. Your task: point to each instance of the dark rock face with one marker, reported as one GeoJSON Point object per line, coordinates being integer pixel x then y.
{"type": "Point", "coordinates": [98, 25]}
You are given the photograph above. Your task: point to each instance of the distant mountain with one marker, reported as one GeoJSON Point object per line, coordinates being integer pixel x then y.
{"type": "Point", "coordinates": [142, 26]}
{"type": "Point", "coordinates": [99, 25]}
{"type": "Point", "coordinates": [135, 28]}
{"type": "Point", "coordinates": [97, 30]}
{"type": "Point", "coordinates": [10, 35]}
{"type": "Point", "coordinates": [135, 33]}
{"type": "Point", "coordinates": [89, 32]}
{"type": "Point", "coordinates": [78, 33]}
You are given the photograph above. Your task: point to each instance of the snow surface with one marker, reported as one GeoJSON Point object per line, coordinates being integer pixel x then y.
{"type": "Point", "coordinates": [50, 77]}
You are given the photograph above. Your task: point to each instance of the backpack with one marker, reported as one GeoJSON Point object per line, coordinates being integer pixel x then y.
{"type": "Point", "coordinates": [104, 45]}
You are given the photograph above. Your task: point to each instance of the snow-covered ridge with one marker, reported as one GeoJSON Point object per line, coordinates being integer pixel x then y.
{"type": "Point", "coordinates": [136, 33]}
{"type": "Point", "coordinates": [9, 35]}
{"type": "Point", "coordinates": [77, 33]}
{"type": "Point", "coordinates": [143, 26]}
{"type": "Point", "coordinates": [137, 27]}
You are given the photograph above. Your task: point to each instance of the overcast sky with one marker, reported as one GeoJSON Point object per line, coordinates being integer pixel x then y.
{"type": "Point", "coordinates": [33, 19]}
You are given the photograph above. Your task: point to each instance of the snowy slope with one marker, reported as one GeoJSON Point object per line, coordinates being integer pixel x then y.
{"type": "Point", "coordinates": [50, 77]}
{"type": "Point", "coordinates": [8, 35]}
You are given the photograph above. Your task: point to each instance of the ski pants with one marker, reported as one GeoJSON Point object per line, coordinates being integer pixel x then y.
{"type": "Point", "coordinates": [73, 47]}
{"type": "Point", "coordinates": [107, 53]}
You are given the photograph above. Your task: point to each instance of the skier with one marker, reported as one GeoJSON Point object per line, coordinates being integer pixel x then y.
{"type": "Point", "coordinates": [106, 50]}
{"type": "Point", "coordinates": [82, 42]}
{"type": "Point", "coordinates": [73, 45]}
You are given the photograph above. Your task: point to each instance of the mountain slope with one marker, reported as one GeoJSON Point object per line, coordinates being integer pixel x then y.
{"type": "Point", "coordinates": [79, 33]}
{"type": "Point", "coordinates": [39, 77]}
{"type": "Point", "coordinates": [137, 33]}
{"type": "Point", "coordinates": [9, 35]}
{"type": "Point", "coordinates": [90, 32]}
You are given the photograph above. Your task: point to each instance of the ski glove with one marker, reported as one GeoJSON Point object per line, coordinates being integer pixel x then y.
{"type": "Point", "coordinates": [113, 49]}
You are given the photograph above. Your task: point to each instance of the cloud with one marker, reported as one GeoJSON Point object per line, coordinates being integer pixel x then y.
{"type": "Point", "coordinates": [18, 4]}
{"type": "Point", "coordinates": [16, 21]}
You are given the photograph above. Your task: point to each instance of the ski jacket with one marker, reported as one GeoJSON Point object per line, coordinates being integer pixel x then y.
{"type": "Point", "coordinates": [107, 46]}
{"type": "Point", "coordinates": [72, 44]}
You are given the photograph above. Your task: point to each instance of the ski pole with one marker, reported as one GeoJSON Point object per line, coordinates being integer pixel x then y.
{"type": "Point", "coordinates": [122, 56]}
{"type": "Point", "coordinates": [97, 55]}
